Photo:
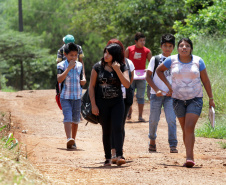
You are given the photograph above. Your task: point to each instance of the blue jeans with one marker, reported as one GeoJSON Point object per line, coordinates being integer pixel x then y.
{"type": "Point", "coordinates": [182, 107]}
{"type": "Point", "coordinates": [156, 104]}
{"type": "Point", "coordinates": [71, 110]}
{"type": "Point", "coordinates": [140, 85]}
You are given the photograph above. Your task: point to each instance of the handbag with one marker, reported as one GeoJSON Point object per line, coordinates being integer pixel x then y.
{"type": "Point", "coordinates": [86, 109]}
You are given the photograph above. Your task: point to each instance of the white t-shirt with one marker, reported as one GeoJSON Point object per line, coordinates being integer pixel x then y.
{"type": "Point", "coordinates": [157, 81]}
{"type": "Point", "coordinates": [131, 67]}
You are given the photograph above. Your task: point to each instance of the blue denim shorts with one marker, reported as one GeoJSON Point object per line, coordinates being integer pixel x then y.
{"type": "Point", "coordinates": [71, 110]}
{"type": "Point", "coordinates": [140, 85]}
{"type": "Point", "coordinates": [182, 107]}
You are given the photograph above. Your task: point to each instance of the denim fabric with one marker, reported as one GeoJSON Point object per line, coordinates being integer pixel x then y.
{"type": "Point", "coordinates": [140, 85]}
{"type": "Point", "coordinates": [182, 107]}
{"type": "Point", "coordinates": [71, 110]}
{"type": "Point", "coordinates": [156, 104]}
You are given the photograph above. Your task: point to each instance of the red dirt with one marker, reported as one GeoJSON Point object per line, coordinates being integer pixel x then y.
{"type": "Point", "coordinates": [36, 112]}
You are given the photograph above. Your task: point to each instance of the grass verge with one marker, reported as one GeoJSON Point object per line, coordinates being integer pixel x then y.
{"type": "Point", "coordinates": [14, 167]}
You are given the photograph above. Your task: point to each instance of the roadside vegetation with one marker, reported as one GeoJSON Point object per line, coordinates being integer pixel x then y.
{"type": "Point", "coordinates": [14, 166]}
{"type": "Point", "coordinates": [212, 50]}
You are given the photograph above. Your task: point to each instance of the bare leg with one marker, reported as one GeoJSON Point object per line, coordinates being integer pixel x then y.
{"type": "Point", "coordinates": [152, 142]}
{"type": "Point", "coordinates": [182, 123]}
{"type": "Point", "coordinates": [74, 130]}
{"type": "Point", "coordinates": [67, 127]}
{"type": "Point", "coordinates": [130, 113]}
{"type": "Point", "coordinates": [189, 128]}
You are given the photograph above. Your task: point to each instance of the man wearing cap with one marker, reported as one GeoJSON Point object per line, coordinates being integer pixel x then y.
{"type": "Point", "coordinates": [60, 54]}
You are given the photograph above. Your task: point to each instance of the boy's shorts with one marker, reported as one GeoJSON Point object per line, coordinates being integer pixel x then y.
{"type": "Point", "coordinates": [140, 85]}
{"type": "Point", "coordinates": [182, 107]}
{"type": "Point", "coordinates": [71, 110]}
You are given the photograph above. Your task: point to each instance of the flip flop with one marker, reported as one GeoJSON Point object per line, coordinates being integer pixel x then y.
{"type": "Point", "coordinates": [189, 164]}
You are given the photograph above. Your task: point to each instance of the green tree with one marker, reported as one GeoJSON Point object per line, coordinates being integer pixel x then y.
{"type": "Point", "coordinates": [24, 63]}
{"type": "Point", "coordinates": [210, 20]}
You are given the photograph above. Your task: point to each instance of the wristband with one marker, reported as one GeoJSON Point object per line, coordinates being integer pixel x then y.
{"type": "Point", "coordinates": [211, 98]}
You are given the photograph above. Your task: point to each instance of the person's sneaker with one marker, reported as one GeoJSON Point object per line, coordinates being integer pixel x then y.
{"type": "Point", "coordinates": [107, 162]}
{"type": "Point", "coordinates": [70, 142]}
{"type": "Point", "coordinates": [74, 146]}
{"type": "Point", "coordinates": [114, 159]}
{"type": "Point", "coordinates": [120, 160]}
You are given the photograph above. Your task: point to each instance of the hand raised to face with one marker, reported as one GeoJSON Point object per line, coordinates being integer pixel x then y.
{"type": "Point", "coordinates": [116, 66]}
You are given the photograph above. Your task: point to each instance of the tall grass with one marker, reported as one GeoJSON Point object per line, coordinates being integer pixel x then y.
{"type": "Point", "coordinates": [212, 51]}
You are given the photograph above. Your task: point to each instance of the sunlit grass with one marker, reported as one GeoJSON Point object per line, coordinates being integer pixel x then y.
{"type": "Point", "coordinates": [14, 167]}
{"type": "Point", "coordinates": [218, 132]}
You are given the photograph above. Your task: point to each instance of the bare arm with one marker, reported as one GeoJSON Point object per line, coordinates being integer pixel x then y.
{"type": "Point", "coordinates": [127, 53]}
{"type": "Point", "coordinates": [160, 71]}
{"type": "Point", "coordinates": [206, 82]}
{"type": "Point", "coordinates": [61, 77]}
{"type": "Point", "coordinates": [149, 56]}
{"type": "Point", "coordinates": [152, 84]}
{"type": "Point", "coordinates": [123, 77]}
{"type": "Point", "coordinates": [83, 81]}
{"type": "Point", "coordinates": [92, 84]}
{"type": "Point", "coordinates": [83, 66]}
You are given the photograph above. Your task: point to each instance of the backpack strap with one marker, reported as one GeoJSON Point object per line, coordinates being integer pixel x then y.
{"type": "Point", "coordinates": [157, 61]}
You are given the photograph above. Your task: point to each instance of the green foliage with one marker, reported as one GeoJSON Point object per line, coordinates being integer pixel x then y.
{"type": "Point", "coordinates": [208, 20]}
{"type": "Point", "coordinates": [18, 48]}
{"type": "Point", "coordinates": [153, 18]}
{"type": "Point", "coordinates": [223, 144]}
{"type": "Point", "coordinates": [218, 132]}
{"type": "Point", "coordinates": [49, 19]}
{"type": "Point", "coordinates": [1, 128]}
{"type": "Point", "coordinates": [93, 49]}
{"type": "Point", "coordinates": [212, 51]}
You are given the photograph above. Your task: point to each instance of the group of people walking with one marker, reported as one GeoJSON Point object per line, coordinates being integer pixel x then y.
{"type": "Point", "coordinates": [175, 83]}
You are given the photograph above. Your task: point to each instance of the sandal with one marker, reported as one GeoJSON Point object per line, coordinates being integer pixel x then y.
{"type": "Point", "coordinates": [129, 117]}
{"type": "Point", "coordinates": [152, 148]}
{"type": "Point", "coordinates": [140, 119]}
{"type": "Point", "coordinates": [189, 164]}
{"type": "Point", "coordinates": [114, 160]}
{"type": "Point", "coordinates": [173, 150]}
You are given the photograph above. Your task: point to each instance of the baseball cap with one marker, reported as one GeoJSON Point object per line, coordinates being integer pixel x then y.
{"type": "Point", "coordinates": [68, 39]}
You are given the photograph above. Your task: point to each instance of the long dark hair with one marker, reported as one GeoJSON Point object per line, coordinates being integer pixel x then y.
{"type": "Point", "coordinates": [115, 51]}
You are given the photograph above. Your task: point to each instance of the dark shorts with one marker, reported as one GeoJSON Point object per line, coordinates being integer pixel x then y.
{"type": "Point", "coordinates": [182, 107]}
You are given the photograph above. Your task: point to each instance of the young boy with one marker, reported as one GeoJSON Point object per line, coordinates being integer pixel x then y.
{"type": "Point", "coordinates": [70, 73]}
{"type": "Point", "coordinates": [161, 97]}
{"type": "Point", "coordinates": [138, 53]}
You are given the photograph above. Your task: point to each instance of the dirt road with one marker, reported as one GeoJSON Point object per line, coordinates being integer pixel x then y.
{"type": "Point", "coordinates": [37, 113]}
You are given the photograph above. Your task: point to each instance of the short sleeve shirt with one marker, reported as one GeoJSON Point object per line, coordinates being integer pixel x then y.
{"type": "Point", "coordinates": [108, 84]}
{"type": "Point", "coordinates": [71, 87]}
{"type": "Point", "coordinates": [186, 82]}
{"type": "Point", "coordinates": [138, 56]}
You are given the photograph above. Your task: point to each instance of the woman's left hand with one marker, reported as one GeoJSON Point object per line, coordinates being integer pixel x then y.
{"type": "Point", "coordinates": [211, 103]}
{"type": "Point", "coordinates": [116, 66]}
